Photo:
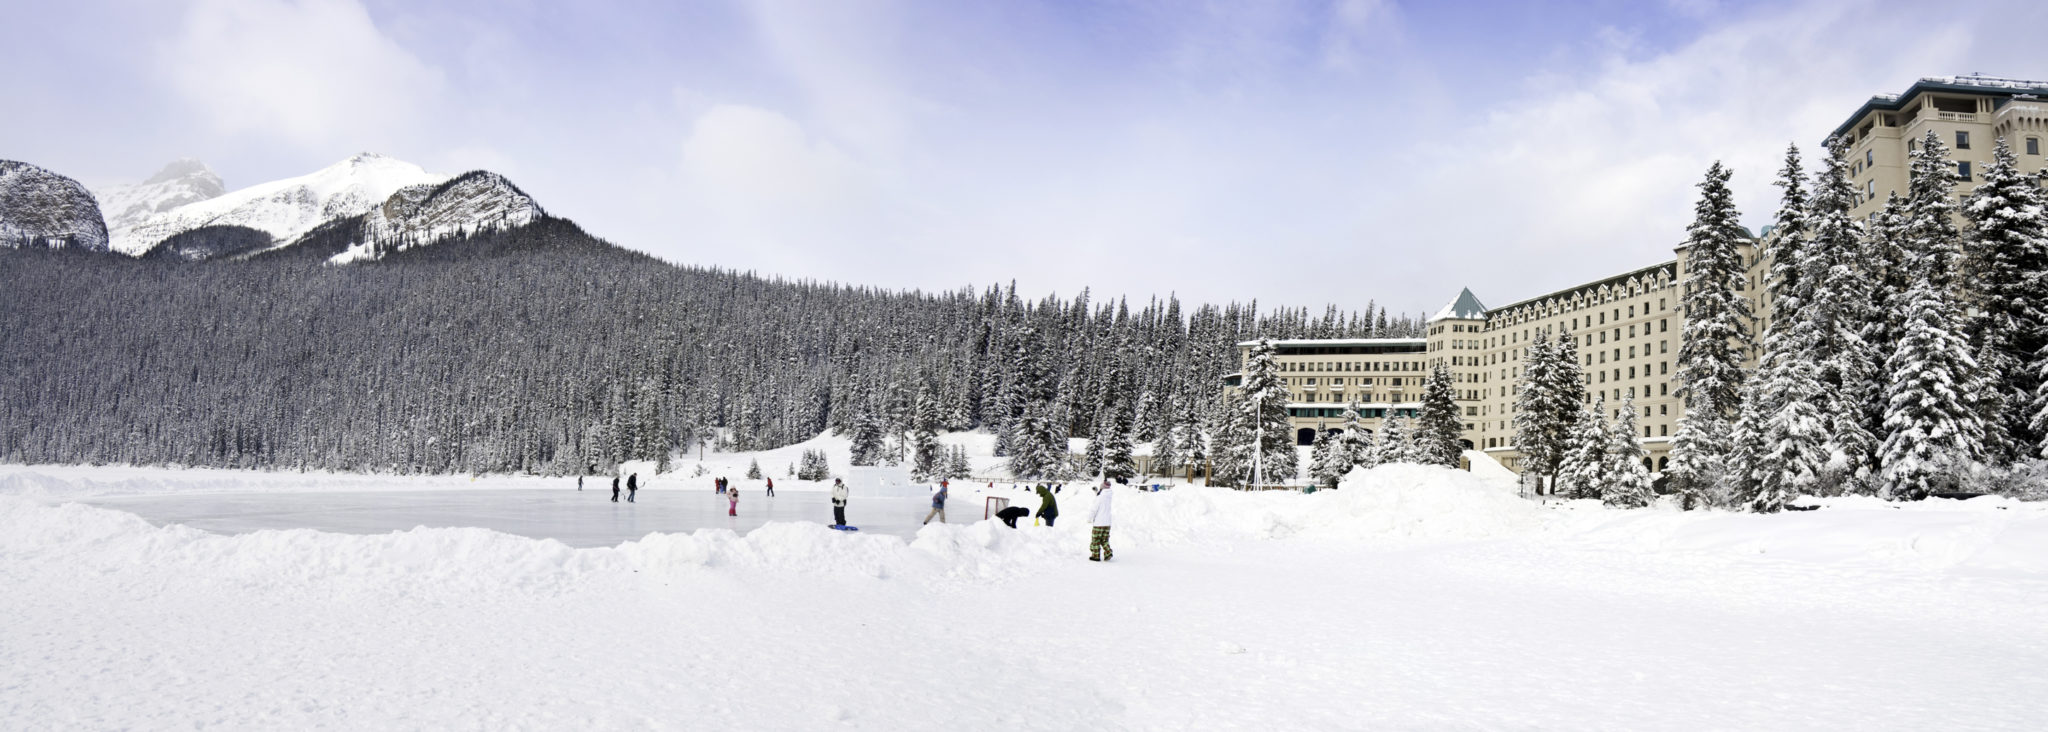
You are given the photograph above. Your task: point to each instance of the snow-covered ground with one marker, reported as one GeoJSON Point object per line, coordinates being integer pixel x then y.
{"type": "Point", "coordinates": [1411, 598]}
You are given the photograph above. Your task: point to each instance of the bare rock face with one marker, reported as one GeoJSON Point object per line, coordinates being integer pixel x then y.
{"type": "Point", "coordinates": [39, 208]}
{"type": "Point", "coordinates": [419, 215]}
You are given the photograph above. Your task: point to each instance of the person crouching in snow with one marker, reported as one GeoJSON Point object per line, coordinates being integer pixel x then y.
{"type": "Point", "coordinates": [1098, 540]}
{"type": "Point", "coordinates": [732, 494]}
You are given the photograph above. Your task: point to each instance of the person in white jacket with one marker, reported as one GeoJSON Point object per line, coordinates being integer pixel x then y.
{"type": "Point", "coordinates": [1098, 541]}
{"type": "Point", "coordinates": [838, 502]}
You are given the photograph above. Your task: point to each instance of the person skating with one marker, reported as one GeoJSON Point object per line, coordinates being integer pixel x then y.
{"type": "Point", "coordinates": [615, 489]}
{"type": "Point", "coordinates": [732, 495]}
{"type": "Point", "coordinates": [632, 486]}
{"type": "Point", "coordinates": [1048, 506]}
{"type": "Point", "coordinates": [771, 487]}
{"type": "Point", "coordinates": [579, 482]}
{"type": "Point", "coordinates": [838, 502]}
{"type": "Point", "coordinates": [938, 504]}
{"type": "Point", "coordinates": [1098, 539]}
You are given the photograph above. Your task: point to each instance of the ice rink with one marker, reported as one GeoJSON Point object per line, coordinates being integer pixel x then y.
{"type": "Point", "coordinates": [585, 518]}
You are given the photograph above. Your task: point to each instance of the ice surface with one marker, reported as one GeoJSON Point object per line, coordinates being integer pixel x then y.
{"type": "Point", "coordinates": [1411, 598]}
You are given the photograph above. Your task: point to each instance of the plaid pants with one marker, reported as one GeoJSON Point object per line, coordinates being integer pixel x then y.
{"type": "Point", "coordinates": [1098, 543]}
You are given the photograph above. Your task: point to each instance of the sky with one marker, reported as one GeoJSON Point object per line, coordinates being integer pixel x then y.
{"type": "Point", "coordinates": [1293, 153]}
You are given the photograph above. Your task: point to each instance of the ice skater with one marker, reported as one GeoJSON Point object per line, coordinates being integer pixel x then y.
{"type": "Point", "coordinates": [579, 482]}
{"type": "Point", "coordinates": [1048, 506]}
{"type": "Point", "coordinates": [938, 504]}
{"type": "Point", "coordinates": [771, 487]}
{"type": "Point", "coordinates": [1098, 538]}
{"type": "Point", "coordinates": [732, 496]}
{"type": "Point", "coordinates": [632, 486]}
{"type": "Point", "coordinates": [838, 502]}
{"type": "Point", "coordinates": [615, 489]}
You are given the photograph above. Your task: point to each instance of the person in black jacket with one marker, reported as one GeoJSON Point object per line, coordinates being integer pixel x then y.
{"type": "Point", "coordinates": [632, 486]}
{"type": "Point", "coordinates": [615, 489]}
{"type": "Point", "coordinates": [1011, 514]}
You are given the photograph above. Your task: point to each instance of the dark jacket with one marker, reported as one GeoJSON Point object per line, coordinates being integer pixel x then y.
{"type": "Point", "coordinates": [633, 482]}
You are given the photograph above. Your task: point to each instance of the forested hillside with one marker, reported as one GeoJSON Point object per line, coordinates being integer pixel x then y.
{"type": "Point", "coordinates": [544, 349]}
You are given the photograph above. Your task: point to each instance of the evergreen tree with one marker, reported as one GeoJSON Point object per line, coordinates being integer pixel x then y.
{"type": "Point", "coordinates": [1166, 451]}
{"type": "Point", "coordinates": [1711, 353]}
{"type": "Point", "coordinates": [1438, 429]}
{"type": "Point", "coordinates": [1841, 304]}
{"type": "Point", "coordinates": [2007, 263]}
{"type": "Point", "coordinates": [1230, 449]}
{"type": "Point", "coordinates": [1629, 478]}
{"type": "Point", "coordinates": [1781, 439]}
{"type": "Point", "coordinates": [1194, 451]}
{"type": "Point", "coordinates": [754, 469]}
{"type": "Point", "coordinates": [927, 462]}
{"type": "Point", "coordinates": [1583, 473]}
{"type": "Point", "coordinates": [867, 439]}
{"type": "Point", "coordinates": [1265, 399]}
{"type": "Point", "coordinates": [1355, 441]}
{"type": "Point", "coordinates": [1117, 460]}
{"type": "Point", "coordinates": [1539, 429]}
{"type": "Point", "coordinates": [1327, 461]}
{"type": "Point", "coordinates": [1394, 445]}
{"type": "Point", "coordinates": [1933, 427]}
{"type": "Point", "coordinates": [957, 465]}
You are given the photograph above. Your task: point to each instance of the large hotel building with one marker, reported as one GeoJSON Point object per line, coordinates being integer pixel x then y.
{"type": "Point", "coordinates": [1628, 325]}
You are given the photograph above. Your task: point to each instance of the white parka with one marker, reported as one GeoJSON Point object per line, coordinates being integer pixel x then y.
{"type": "Point", "coordinates": [1101, 515]}
{"type": "Point", "coordinates": [839, 494]}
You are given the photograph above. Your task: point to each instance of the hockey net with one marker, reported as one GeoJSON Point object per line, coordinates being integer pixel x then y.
{"type": "Point", "coordinates": [994, 505]}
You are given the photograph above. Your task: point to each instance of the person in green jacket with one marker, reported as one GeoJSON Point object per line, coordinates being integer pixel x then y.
{"type": "Point", "coordinates": [1048, 507]}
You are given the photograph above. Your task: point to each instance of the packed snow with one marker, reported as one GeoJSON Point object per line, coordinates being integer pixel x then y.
{"type": "Point", "coordinates": [1409, 597]}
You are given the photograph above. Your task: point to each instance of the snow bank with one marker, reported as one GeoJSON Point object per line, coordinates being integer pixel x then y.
{"type": "Point", "coordinates": [1389, 501]}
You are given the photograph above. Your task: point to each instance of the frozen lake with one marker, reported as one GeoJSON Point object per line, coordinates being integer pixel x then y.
{"type": "Point", "coordinates": [578, 518]}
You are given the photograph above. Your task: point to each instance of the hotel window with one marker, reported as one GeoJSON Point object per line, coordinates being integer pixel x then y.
{"type": "Point", "coordinates": [1663, 367]}
{"type": "Point", "coordinates": [1663, 389]}
{"type": "Point", "coordinates": [1870, 189]}
{"type": "Point", "coordinates": [2033, 146]}
{"type": "Point", "coordinates": [1663, 430]}
{"type": "Point", "coordinates": [1663, 325]}
{"type": "Point", "coordinates": [1962, 139]}
{"type": "Point", "coordinates": [1963, 169]}
{"type": "Point", "coordinates": [1866, 158]}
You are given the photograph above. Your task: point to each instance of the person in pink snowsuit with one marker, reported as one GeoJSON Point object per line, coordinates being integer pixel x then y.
{"type": "Point", "coordinates": [732, 494]}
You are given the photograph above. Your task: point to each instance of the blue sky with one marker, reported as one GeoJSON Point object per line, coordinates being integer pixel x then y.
{"type": "Point", "coordinates": [1298, 153]}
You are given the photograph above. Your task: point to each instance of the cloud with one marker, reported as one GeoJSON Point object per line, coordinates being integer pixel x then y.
{"type": "Point", "coordinates": [755, 179]}
{"type": "Point", "coordinates": [1590, 173]}
{"type": "Point", "coordinates": [308, 72]}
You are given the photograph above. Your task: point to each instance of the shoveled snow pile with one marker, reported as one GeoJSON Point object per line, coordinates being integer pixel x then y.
{"type": "Point", "coordinates": [1388, 501]}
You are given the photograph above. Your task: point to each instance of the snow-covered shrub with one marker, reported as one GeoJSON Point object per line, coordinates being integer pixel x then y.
{"type": "Point", "coordinates": [2026, 480]}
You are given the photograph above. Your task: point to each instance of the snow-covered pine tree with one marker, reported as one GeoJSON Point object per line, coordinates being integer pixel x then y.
{"type": "Point", "coordinates": [1327, 461]}
{"type": "Point", "coordinates": [1031, 451]}
{"type": "Point", "coordinates": [2006, 258]}
{"type": "Point", "coordinates": [926, 461]}
{"type": "Point", "coordinates": [1166, 451]}
{"type": "Point", "coordinates": [1394, 445]}
{"type": "Point", "coordinates": [1118, 462]}
{"type": "Point", "coordinates": [1629, 478]}
{"type": "Point", "coordinates": [1780, 437]}
{"type": "Point", "coordinates": [1539, 433]}
{"type": "Point", "coordinates": [1355, 441]}
{"type": "Point", "coordinates": [867, 438]}
{"type": "Point", "coordinates": [1230, 449]}
{"type": "Point", "coordinates": [1193, 445]}
{"type": "Point", "coordinates": [1093, 457]}
{"type": "Point", "coordinates": [1437, 430]}
{"type": "Point", "coordinates": [1583, 472]}
{"type": "Point", "coordinates": [1841, 307]}
{"type": "Point", "coordinates": [1711, 353]}
{"type": "Point", "coordinates": [792, 470]}
{"type": "Point", "coordinates": [1932, 241]}
{"type": "Point", "coordinates": [957, 465]}
{"type": "Point", "coordinates": [754, 469]}
{"type": "Point", "coordinates": [1934, 427]}
{"type": "Point", "coordinates": [1265, 399]}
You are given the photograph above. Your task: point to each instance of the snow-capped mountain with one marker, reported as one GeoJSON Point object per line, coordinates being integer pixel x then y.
{"type": "Point", "coordinates": [475, 201]}
{"type": "Point", "coordinates": [288, 208]}
{"type": "Point", "coordinates": [182, 182]}
{"type": "Point", "coordinates": [39, 208]}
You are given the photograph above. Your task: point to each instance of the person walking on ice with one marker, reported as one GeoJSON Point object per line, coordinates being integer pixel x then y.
{"type": "Point", "coordinates": [733, 496]}
{"type": "Point", "coordinates": [632, 486]}
{"type": "Point", "coordinates": [1098, 539]}
{"type": "Point", "coordinates": [938, 504]}
{"type": "Point", "coordinates": [615, 489]}
{"type": "Point", "coordinates": [771, 487]}
{"type": "Point", "coordinates": [838, 502]}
